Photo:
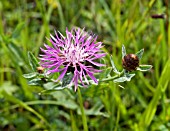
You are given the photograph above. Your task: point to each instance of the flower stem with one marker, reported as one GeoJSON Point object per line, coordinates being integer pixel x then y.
{"type": "Point", "coordinates": [109, 79]}
{"type": "Point", "coordinates": [112, 78]}
{"type": "Point", "coordinates": [82, 111]}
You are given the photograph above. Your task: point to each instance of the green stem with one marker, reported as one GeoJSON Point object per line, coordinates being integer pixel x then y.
{"type": "Point", "coordinates": [112, 78]}
{"type": "Point", "coordinates": [91, 81]}
{"type": "Point", "coordinates": [73, 121]}
{"type": "Point", "coordinates": [109, 79]}
{"type": "Point", "coordinates": [82, 111]}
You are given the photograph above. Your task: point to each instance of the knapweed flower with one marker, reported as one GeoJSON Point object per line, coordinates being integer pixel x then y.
{"type": "Point", "coordinates": [76, 53]}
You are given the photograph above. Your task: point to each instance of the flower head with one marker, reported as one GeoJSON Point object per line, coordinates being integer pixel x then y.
{"type": "Point", "coordinates": [130, 62]}
{"type": "Point", "coordinates": [77, 52]}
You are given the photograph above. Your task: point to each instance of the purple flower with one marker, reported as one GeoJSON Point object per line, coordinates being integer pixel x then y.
{"type": "Point", "coordinates": [76, 53]}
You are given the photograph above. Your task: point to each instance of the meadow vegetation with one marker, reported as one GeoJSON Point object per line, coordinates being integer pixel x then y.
{"type": "Point", "coordinates": [143, 103]}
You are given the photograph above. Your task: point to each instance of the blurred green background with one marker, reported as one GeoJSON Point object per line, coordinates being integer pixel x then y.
{"type": "Point", "coordinates": [142, 105]}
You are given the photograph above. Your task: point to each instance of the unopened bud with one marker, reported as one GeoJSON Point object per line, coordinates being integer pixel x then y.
{"type": "Point", "coordinates": [130, 62]}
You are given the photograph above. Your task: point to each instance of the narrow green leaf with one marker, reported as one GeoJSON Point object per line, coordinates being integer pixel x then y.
{"type": "Point", "coordinates": [16, 54]}
{"type": "Point", "coordinates": [47, 91]}
{"type": "Point", "coordinates": [49, 85]}
{"type": "Point", "coordinates": [126, 77]}
{"type": "Point", "coordinates": [8, 87]}
{"type": "Point", "coordinates": [18, 30]}
{"type": "Point", "coordinates": [65, 98]}
{"type": "Point", "coordinates": [144, 67]}
{"type": "Point", "coordinates": [66, 104]}
{"type": "Point", "coordinates": [70, 104]}
{"type": "Point", "coordinates": [108, 11]}
{"type": "Point", "coordinates": [129, 76]}
{"type": "Point", "coordinates": [57, 87]}
{"type": "Point", "coordinates": [4, 38]}
{"type": "Point", "coordinates": [95, 110]}
{"type": "Point", "coordinates": [22, 104]}
{"type": "Point", "coordinates": [52, 86]}
{"type": "Point", "coordinates": [102, 61]}
{"type": "Point", "coordinates": [140, 53]}
{"type": "Point", "coordinates": [73, 121]}
{"type": "Point", "coordinates": [93, 90]}
{"type": "Point", "coordinates": [150, 111]}
{"type": "Point", "coordinates": [105, 73]}
{"type": "Point", "coordinates": [123, 51]}
{"type": "Point", "coordinates": [30, 75]}
{"type": "Point", "coordinates": [33, 61]}
{"type": "Point", "coordinates": [121, 86]}
{"type": "Point", "coordinates": [120, 79]}
{"type": "Point", "coordinates": [113, 65]}
{"type": "Point", "coordinates": [36, 81]}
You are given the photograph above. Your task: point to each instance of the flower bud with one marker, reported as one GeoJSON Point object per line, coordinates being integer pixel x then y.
{"type": "Point", "coordinates": [40, 69]}
{"type": "Point", "coordinates": [130, 62]}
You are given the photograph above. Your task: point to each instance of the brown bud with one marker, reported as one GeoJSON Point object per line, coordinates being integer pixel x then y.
{"type": "Point", "coordinates": [158, 16]}
{"type": "Point", "coordinates": [130, 62]}
{"type": "Point", "coordinates": [40, 69]}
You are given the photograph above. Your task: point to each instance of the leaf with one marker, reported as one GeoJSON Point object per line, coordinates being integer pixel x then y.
{"type": "Point", "coordinates": [8, 87]}
{"type": "Point", "coordinates": [129, 76]}
{"type": "Point", "coordinates": [105, 73]}
{"type": "Point", "coordinates": [67, 79]}
{"type": "Point", "coordinates": [144, 67]}
{"type": "Point", "coordinates": [126, 77]}
{"type": "Point", "coordinates": [69, 104]}
{"type": "Point", "coordinates": [59, 88]}
{"type": "Point", "coordinates": [149, 113]}
{"type": "Point", "coordinates": [13, 99]}
{"type": "Point", "coordinates": [4, 38]}
{"type": "Point", "coordinates": [95, 110]}
{"type": "Point", "coordinates": [51, 86]}
{"type": "Point", "coordinates": [16, 54]}
{"type": "Point", "coordinates": [140, 53]}
{"type": "Point", "coordinates": [36, 81]}
{"type": "Point", "coordinates": [123, 51]}
{"type": "Point", "coordinates": [121, 86]}
{"type": "Point", "coordinates": [18, 30]}
{"type": "Point", "coordinates": [49, 91]}
{"type": "Point", "coordinates": [93, 90]}
{"type": "Point", "coordinates": [30, 75]}
{"type": "Point", "coordinates": [113, 66]}
{"type": "Point", "coordinates": [33, 61]}
{"type": "Point", "coordinates": [65, 98]}
{"type": "Point", "coordinates": [102, 61]}
{"type": "Point", "coordinates": [120, 79]}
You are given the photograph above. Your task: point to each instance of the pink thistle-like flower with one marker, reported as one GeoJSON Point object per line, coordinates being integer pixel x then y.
{"type": "Point", "coordinates": [77, 52]}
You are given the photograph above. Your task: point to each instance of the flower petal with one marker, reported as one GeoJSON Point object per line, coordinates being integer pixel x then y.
{"type": "Point", "coordinates": [62, 74]}
{"type": "Point", "coordinates": [95, 63]}
{"type": "Point", "coordinates": [92, 77]}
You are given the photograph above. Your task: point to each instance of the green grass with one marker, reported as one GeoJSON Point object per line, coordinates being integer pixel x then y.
{"type": "Point", "coordinates": [144, 103]}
